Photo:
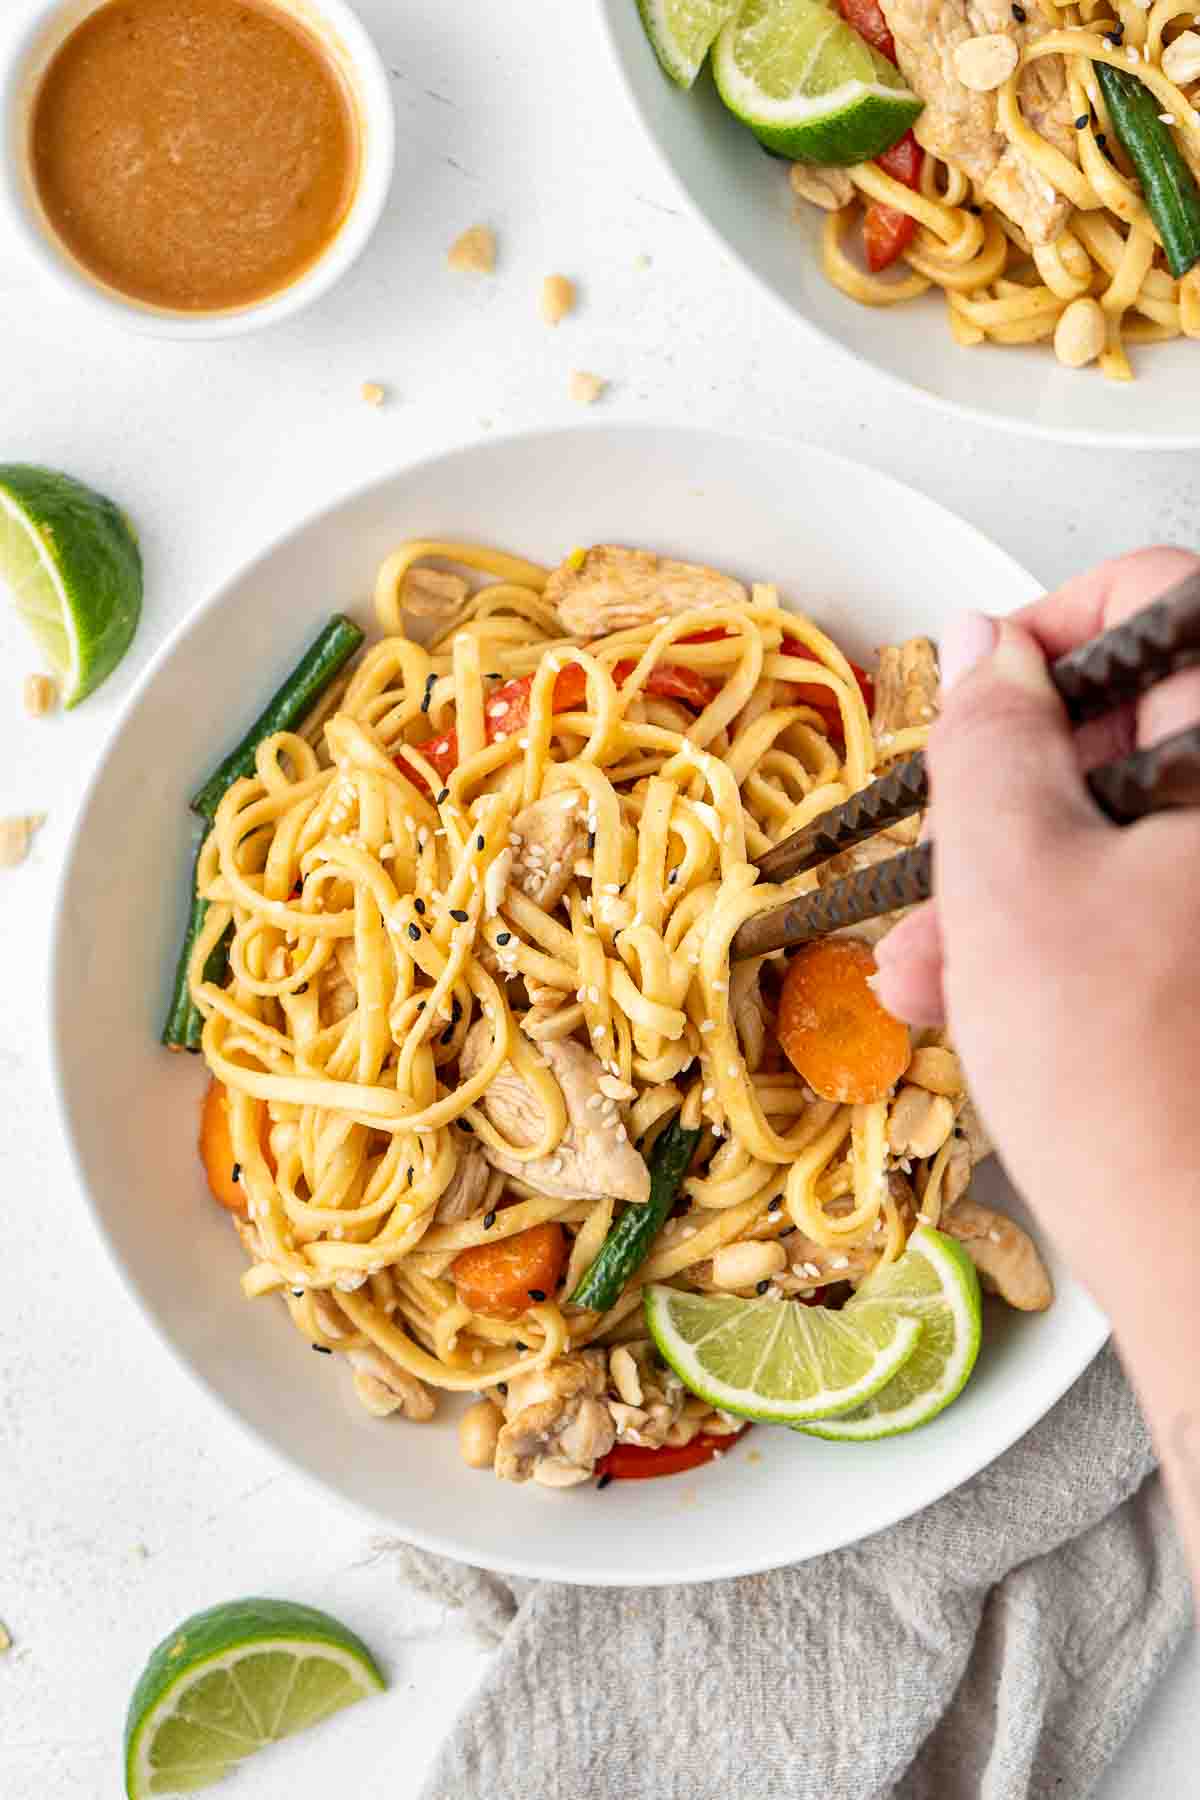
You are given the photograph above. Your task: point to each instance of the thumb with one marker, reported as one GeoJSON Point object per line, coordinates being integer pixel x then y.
{"type": "Point", "coordinates": [1004, 775]}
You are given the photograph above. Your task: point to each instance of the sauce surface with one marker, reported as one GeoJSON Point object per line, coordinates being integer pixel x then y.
{"type": "Point", "coordinates": [194, 154]}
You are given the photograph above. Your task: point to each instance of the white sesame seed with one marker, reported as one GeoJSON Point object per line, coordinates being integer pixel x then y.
{"type": "Point", "coordinates": [733, 1071]}
{"type": "Point", "coordinates": [839, 1262]}
{"type": "Point", "coordinates": [523, 743]}
{"type": "Point", "coordinates": [597, 1032]}
{"type": "Point", "coordinates": [594, 995]}
{"type": "Point", "coordinates": [811, 1269]}
{"type": "Point", "coordinates": [594, 1102]}
{"type": "Point", "coordinates": [497, 709]}
{"type": "Point", "coordinates": [622, 1134]}
{"type": "Point", "coordinates": [708, 1093]}
{"type": "Point", "coordinates": [707, 1025]}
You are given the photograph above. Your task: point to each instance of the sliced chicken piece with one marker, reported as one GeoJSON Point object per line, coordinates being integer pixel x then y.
{"type": "Point", "coordinates": [961, 124]}
{"type": "Point", "coordinates": [552, 835]}
{"type": "Point", "coordinates": [611, 589]}
{"type": "Point", "coordinates": [906, 686]}
{"type": "Point", "coordinates": [556, 1423]}
{"type": "Point", "coordinates": [1005, 1256]}
{"type": "Point", "coordinates": [595, 1159]}
{"type": "Point", "coordinates": [468, 1184]}
{"type": "Point", "coordinates": [384, 1387]}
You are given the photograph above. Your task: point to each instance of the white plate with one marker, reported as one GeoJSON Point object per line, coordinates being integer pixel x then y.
{"type": "Point", "coordinates": [873, 561]}
{"type": "Point", "coordinates": [744, 198]}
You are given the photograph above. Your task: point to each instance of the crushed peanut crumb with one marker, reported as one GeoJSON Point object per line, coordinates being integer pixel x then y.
{"type": "Point", "coordinates": [41, 691]}
{"type": "Point", "coordinates": [585, 389]}
{"type": "Point", "coordinates": [16, 835]}
{"type": "Point", "coordinates": [373, 394]}
{"type": "Point", "coordinates": [557, 299]}
{"type": "Point", "coordinates": [474, 253]}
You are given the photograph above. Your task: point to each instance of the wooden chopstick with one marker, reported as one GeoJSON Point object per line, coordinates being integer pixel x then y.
{"type": "Point", "coordinates": [1105, 673]}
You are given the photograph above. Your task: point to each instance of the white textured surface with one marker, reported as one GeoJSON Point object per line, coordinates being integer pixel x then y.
{"type": "Point", "coordinates": [104, 1450]}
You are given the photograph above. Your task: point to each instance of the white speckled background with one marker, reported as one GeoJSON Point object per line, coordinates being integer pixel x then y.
{"type": "Point", "coordinates": [126, 1501]}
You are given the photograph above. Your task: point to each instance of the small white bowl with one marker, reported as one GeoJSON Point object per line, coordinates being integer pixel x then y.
{"type": "Point", "coordinates": [874, 561]}
{"type": "Point", "coordinates": [344, 39]}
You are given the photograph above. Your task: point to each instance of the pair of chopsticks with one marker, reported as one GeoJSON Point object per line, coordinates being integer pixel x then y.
{"type": "Point", "coordinates": [1094, 679]}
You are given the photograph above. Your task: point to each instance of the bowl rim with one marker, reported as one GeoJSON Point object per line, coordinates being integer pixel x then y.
{"type": "Point", "coordinates": [63, 275]}
{"type": "Point", "coordinates": [1080, 437]}
{"type": "Point", "coordinates": [951, 1472]}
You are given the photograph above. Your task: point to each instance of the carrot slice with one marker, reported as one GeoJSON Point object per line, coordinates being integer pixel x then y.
{"type": "Point", "coordinates": [502, 1280]}
{"type": "Point", "coordinates": [833, 1029]}
{"type": "Point", "coordinates": [216, 1148]}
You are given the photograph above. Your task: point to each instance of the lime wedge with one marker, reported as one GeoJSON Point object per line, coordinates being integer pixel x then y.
{"type": "Point", "coordinates": [776, 1359]}
{"type": "Point", "coordinates": [807, 85]}
{"type": "Point", "coordinates": [934, 1282]}
{"type": "Point", "coordinates": [75, 571]}
{"type": "Point", "coordinates": [682, 32]}
{"type": "Point", "coordinates": [229, 1681]}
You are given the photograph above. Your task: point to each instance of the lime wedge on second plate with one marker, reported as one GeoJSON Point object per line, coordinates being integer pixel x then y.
{"type": "Point", "coordinates": [807, 85]}
{"type": "Point", "coordinates": [232, 1679]}
{"type": "Point", "coordinates": [935, 1282]}
{"type": "Point", "coordinates": [775, 1359]}
{"type": "Point", "coordinates": [682, 32]}
{"type": "Point", "coordinates": [72, 562]}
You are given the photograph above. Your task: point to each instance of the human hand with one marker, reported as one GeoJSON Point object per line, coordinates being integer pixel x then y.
{"type": "Point", "coordinates": [1063, 950]}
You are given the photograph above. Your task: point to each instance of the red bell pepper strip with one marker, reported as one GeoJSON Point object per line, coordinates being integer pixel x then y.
{"type": "Point", "coordinates": [820, 698]}
{"type": "Point", "coordinates": [887, 232]}
{"type": "Point", "coordinates": [866, 17]}
{"type": "Point", "coordinates": [506, 709]}
{"type": "Point", "coordinates": [635, 1462]}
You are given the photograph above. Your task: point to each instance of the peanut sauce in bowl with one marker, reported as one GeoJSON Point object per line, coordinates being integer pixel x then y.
{"type": "Point", "coordinates": [203, 163]}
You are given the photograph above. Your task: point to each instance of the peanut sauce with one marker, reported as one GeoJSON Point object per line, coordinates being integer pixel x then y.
{"type": "Point", "coordinates": [196, 155]}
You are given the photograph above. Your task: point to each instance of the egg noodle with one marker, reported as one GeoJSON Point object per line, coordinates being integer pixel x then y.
{"type": "Point", "coordinates": [999, 288]}
{"type": "Point", "coordinates": [378, 920]}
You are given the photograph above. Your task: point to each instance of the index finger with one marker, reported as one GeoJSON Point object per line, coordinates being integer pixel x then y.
{"type": "Point", "coordinates": [1089, 604]}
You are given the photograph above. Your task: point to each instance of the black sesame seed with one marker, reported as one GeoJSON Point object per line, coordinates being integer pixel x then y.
{"type": "Point", "coordinates": [604, 1480]}
{"type": "Point", "coordinates": [521, 1346]}
{"type": "Point", "coordinates": [447, 1035]}
{"type": "Point", "coordinates": [495, 675]}
{"type": "Point", "coordinates": [504, 937]}
{"type": "Point", "coordinates": [479, 841]}
{"type": "Point", "coordinates": [456, 1011]}
{"type": "Point", "coordinates": [443, 796]}
{"type": "Point", "coordinates": [673, 877]}
{"type": "Point", "coordinates": [489, 1219]}
{"type": "Point", "coordinates": [536, 1293]}
{"type": "Point", "coordinates": [591, 840]}
{"type": "Point", "coordinates": [502, 1387]}
{"type": "Point", "coordinates": [775, 1207]}
{"type": "Point", "coordinates": [1081, 122]}
{"type": "Point", "coordinates": [456, 912]}
{"type": "Point", "coordinates": [420, 1006]}
{"type": "Point", "coordinates": [322, 1349]}
{"type": "Point", "coordinates": [977, 210]}
{"type": "Point", "coordinates": [419, 907]}
{"type": "Point", "coordinates": [414, 932]}
{"type": "Point", "coordinates": [1019, 14]}
{"type": "Point", "coordinates": [762, 1287]}
{"type": "Point", "coordinates": [1101, 139]}
{"type": "Point", "coordinates": [411, 1173]}
{"type": "Point", "coordinates": [466, 1125]}
{"type": "Point", "coordinates": [297, 1293]}
{"type": "Point", "coordinates": [303, 988]}
{"type": "Point", "coordinates": [237, 1171]}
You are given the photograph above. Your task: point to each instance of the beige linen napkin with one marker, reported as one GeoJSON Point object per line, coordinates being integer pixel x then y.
{"type": "Point", "coordinates": [997, 1646]}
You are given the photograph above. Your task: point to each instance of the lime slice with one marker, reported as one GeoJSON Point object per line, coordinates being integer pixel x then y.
{"type": "Point", "coordinates": [229, 1681]}
{"type": "Point", "coordinates": [75, 570]}
{"type": "Point", "coordinates": [807, 85]}
{"type": "Point", "coordinates": [934, 1282]}
{"type": "Point", "coordinates": [775, 1359]}
{"type": "Point", "coordinates": [682, 32]}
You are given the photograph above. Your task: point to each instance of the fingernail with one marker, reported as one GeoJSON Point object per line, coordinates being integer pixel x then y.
{"type": "Point", "coordinates": [969, 637]}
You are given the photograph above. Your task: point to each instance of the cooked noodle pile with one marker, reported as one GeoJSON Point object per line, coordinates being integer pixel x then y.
{"type": "Point", "coordinates": [425, 959]}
